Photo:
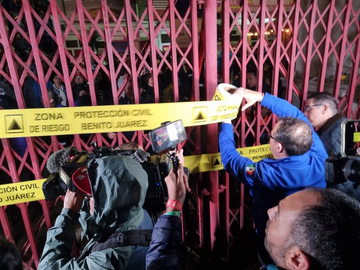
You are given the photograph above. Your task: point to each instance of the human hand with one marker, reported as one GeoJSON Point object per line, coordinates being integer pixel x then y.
{"type": "Point", "coordinates": [177, 185]}
{"type": "Point", "coordinates": [73, 200]}
{"type": "Point", "coordinates": [180, 155]}
{"type": "Point", "coordinates": [249, 95]}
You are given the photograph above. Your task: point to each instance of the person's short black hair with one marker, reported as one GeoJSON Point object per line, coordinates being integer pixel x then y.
{"type": "Point", "coordinates": [252, 71]}
{"type": "Point", "coordinates": [329, 232]}
{"type": "Point", "coordinates": [325, 98]}
{"type": "Point", "coordinates": [10, 258]}
{"type": "Point", "coordinates": [295, 135]}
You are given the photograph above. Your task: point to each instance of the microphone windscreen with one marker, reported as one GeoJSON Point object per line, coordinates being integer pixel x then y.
{"type": "Point", "coordinates": [57, 159]}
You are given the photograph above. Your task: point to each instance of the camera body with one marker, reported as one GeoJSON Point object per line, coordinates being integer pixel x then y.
{"type": "Point", "coordinates": [156, 168]}
{"type": "Point", "coordinates": [347, 166]}
{"type": "Point", "coordinates": [163, 139]}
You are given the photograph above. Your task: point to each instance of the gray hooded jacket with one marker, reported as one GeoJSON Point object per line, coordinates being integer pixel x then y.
{"type": "Point", "coordinates": [119, 185]}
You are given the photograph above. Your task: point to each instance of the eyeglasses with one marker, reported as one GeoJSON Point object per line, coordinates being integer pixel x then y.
{"type": "Point", "coordinates": [309, 107]}
{"type": "Point", "coordinates": [271, 137]}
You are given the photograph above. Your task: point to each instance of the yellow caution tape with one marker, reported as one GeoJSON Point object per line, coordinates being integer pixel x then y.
{"type": "Point", "coordinates": [28, 191]}
{"type": "Point", "coordinates": [21, 192]}
{"type": "Point", "coordinates": [224, 92]}
{"type": "Point", "coordinates": [117, 118]}
{"type": "Point", "coordinates": [212, 162]}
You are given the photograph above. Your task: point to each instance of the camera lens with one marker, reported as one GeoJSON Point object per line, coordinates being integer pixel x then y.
{"type": "Point", "coordinates": [352, 170]}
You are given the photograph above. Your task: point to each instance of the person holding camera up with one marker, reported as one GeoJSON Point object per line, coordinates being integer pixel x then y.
{"type": "Point", "coordinates": [322, 111]}
{"type": "Point", "coordinates": [114, 222]}
{"type": "Point", "coordinates": [166, 249]}
{"type": "Point", "coordinates": [298, 163]}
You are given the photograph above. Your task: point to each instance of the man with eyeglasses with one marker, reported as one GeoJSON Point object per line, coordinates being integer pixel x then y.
{"type": "Point", "coordinates": [298, 163]}
{"type": "Point", "coordinates": [322, 111]}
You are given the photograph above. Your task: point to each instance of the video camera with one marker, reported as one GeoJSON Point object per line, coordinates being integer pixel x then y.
{"type": "Point", "coordinates": [347, 166]}
{"type": "Point", "coordinates": [65, 163]}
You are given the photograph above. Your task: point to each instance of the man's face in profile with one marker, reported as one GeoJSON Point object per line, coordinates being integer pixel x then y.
{"type": "Point", "coordinates": [281, 218]}
{"type": "Point", "coordinates": [315, 113]}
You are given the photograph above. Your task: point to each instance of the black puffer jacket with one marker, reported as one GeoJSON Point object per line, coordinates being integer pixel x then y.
{"type": "Point", "coordinates": [330, 135]}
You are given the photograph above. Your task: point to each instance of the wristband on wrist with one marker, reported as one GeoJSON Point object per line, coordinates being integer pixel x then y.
{"type": "Point", "coordinates": [173, 213]}
{"type": "Point", "coordinates": [174, 204]}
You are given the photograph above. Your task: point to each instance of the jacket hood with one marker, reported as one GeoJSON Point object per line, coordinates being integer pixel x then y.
{"type": "Point", "coordinates": [119, 185]}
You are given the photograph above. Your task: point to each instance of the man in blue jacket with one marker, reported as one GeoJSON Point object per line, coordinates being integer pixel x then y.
{"type": "Point", "coordinates": [299, 160]}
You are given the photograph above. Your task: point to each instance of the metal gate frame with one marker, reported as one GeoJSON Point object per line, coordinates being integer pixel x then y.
{"type": "Point", "coordinates": [212, 196]}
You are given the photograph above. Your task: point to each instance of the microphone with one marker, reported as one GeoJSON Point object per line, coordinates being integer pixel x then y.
{"type": "Point", "coordinates": [58, 158]}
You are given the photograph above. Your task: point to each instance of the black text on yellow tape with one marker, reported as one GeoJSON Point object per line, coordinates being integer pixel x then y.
{"type": "Point", "coordinates": [212, 162]}
{"type": "Point", "coordinates": [21, 192]}
{"type": "Point", "coordinates": [97, 119]}
{"type": "Point", "coordinates": [28, 191]}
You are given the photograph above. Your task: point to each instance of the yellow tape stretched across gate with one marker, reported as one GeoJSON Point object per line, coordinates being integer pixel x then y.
{"type": "Point", "coordinates": [116, 118]}
{"type": "Point", "coordinates": [26, 191]}
{"type": "Point", "coordinates": [32, 190]}
{"type": "Point", "coordinates": [119, 118]}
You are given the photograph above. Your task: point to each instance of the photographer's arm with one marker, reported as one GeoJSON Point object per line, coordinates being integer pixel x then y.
{"type": "Point", "coordinates": [58, 248]}
{"type": "Point", "coordinates": [165, 249]}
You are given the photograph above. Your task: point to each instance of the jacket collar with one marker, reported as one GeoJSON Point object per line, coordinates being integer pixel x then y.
{"type": "Point", "coordinates": [329, 123]}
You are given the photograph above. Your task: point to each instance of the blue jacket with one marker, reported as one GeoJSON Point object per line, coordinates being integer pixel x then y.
{"type": "Point", "coordinates": [272, 180]}
{"type": "Point", "coordinates": [166, 249]}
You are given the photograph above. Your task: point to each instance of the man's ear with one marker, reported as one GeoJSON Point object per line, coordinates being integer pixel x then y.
{"type": "Point", "coordinates": [296, 259]}
{"type": "Point", "coordinates": [280, 147]}
{"type": "Point", "coordinates": [325, 109]}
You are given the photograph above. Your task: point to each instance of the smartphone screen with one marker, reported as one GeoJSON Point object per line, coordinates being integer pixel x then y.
{"type": "Point", "coordinates": [350, 137]}
{"type": "Point", "coordinates": [167, 136]}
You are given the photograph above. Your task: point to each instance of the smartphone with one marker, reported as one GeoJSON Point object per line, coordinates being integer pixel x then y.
{"type": "Point", "coordinates": [167, 136]}
{"type": "Point", "coordinates": [350, 138]}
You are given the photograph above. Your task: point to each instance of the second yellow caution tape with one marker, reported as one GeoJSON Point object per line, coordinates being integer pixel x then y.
{"type": "Point", "coordinates": [28, 191]}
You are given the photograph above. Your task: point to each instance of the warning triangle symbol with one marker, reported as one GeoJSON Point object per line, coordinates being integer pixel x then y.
{"type": "Point", "coordinates": [14, 125]}
{"type": "Point", "coordinates": [216, 163]}
{"type": "Point", "coordinates": [200, 116]}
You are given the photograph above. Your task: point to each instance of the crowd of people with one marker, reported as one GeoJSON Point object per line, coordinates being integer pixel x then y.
{"type": "Point", "coordinates": [300, 223]}
{"type": "Point", "coordinates": [55, 85]}
{"type": "Point", "coordinates": [300, 143]}
{"type": "Point", "coordinates": [301, 220]}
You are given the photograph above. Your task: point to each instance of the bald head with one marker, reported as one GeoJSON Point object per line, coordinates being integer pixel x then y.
{"type": "Point", "coordinates": [295, 135]}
